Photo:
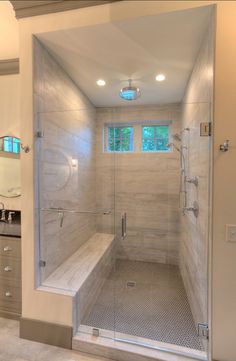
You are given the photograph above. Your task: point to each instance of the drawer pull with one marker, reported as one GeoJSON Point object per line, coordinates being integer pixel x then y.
{"type": "Point", "coordinates": [7, 249]}
{"type": "Point", "coordinates": [7, 269]}
{"type": "Point", "coordinates": [8, 294]}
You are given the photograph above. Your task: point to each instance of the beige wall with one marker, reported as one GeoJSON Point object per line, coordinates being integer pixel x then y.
{"type": "Point", "coordinates": [9, 84]}
{"type": "Point", "coordinates": [9, 30]}
{"type": "Point", "coordinates": [10, 119]}
{"type": "Point", "coordinates": [146, 186]}
{"type": "Point", "coordinates": [196, 108]}
{"type": "Point", "coordinates": [224, 178]}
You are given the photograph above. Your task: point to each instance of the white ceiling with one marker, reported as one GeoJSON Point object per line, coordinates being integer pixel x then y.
{"type": "Point", "coordinates": [137, 49]}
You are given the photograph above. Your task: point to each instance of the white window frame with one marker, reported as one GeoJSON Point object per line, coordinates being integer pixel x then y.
{"type": "Point", "coordinates": [137, 134]}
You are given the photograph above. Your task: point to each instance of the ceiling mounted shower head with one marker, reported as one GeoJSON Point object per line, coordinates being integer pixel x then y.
{"type": "Point", "coordinates": [130, 92]}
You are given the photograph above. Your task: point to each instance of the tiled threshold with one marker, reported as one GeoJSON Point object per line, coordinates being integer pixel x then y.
{"type": "Point", "coordinates": [124, 351]}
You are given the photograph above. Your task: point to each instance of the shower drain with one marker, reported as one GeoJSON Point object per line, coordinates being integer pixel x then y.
{"type": "Point", "coordinates": [131, 284]}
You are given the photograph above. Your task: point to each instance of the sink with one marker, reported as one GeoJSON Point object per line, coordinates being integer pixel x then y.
{"type": "Point", "coordinates": [11, 229]}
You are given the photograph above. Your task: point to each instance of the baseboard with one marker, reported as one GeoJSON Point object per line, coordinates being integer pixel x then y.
{"type": "Point", "coordinates": [45, 332]}
{"type": "Point", "coordinates": [10, 315]}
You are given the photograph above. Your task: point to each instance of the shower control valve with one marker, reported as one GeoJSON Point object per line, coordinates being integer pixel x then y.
{"type": "Point", "coordinates": [194, 209]}
{"type": "Point", "coordinates": [225, 146]}
{"type": "Point", "coordinates": [193, 180]}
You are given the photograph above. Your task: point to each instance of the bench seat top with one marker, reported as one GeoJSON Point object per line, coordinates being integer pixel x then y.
{"type": "Point", "coordinates": [72, 273]}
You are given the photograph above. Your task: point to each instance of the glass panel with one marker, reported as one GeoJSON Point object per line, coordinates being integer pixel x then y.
{"type": "Point", "coordinates": [120, 139]}
{"type": "Point", "coordinates": [197, 156]}
{"type": "Point", "coordinates": [16, 145]}
{"type": "Point", "coordinates": [148, 145]}
{"type": "Point", "coordinates": [148, 132]}
{"type": "Point", "coordinates": [160, 267]}
{"type": "Point", "coordinates": [76, 212]}
{"type": "Point", "coordinates": [8, 144]}
{"type": "Point", "coordinates": [155, 138]}
{"type": "Point", "coordinates": [136, 286]}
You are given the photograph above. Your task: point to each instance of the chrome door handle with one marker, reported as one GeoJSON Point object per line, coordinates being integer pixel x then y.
{"type": "Point", "coordinates": [8, 294]}
{"type": "Point", "coordinates": [7, 269]}
{"type": "Point", "coordinates": [123, 225]}
{"type": "Point", "coordinates": [61, 215]}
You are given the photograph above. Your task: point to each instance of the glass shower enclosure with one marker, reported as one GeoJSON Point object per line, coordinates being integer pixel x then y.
{"type": "Point", "coordinates": [112, 222]}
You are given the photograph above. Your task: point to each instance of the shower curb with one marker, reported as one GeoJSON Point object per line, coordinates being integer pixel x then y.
{"type": "Point", "coordinates": [122, 351]}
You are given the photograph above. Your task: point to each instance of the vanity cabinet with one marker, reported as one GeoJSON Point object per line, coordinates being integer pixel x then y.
{"type": "Point", "coordinates": [10, 276]}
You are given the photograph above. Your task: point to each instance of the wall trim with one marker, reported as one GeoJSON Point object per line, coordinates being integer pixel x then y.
{"type": "Point", "coordinates": [45, 332]}
{"type": "Point", "coordinates": [9, 66]}
{"type": "Point", "coordinates": [10, 315]}
{"type": "Point", "coordinates": [28, 8]}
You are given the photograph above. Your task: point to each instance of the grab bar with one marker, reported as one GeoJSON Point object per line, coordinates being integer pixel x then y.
{"type": "Point", "coordinates": [64, 210]}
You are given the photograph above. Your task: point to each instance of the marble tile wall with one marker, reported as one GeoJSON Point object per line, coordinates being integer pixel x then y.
{"type": "Point", "coordinates": [196, 108]}
{"type": "Point", "coordinates": [65, 165]}
{"type": "Point", "coordinates": [143, 185]}
{"type": "Point", "coordinates": [90, 290]}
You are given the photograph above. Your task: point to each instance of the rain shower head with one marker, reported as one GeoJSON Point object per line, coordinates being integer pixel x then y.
{"type": "Point", "coordinates": [130, 92]}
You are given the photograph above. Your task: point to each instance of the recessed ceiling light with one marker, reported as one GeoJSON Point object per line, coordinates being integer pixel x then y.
{"type": "Point", "coordinates": [101, 82]}
{"type": "Point", "coordinates": [160, 77]}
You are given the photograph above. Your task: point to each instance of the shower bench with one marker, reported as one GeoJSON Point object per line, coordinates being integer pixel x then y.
{"type": "Point", "coordinates": [83, 274]}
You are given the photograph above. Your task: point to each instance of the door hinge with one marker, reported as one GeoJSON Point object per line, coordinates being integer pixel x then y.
{"type": "Point", "coordinates": [205, 129]}
{"type": "Point", "coordinates": [95, 331]}
{"type": "Point", "coordinates": [42, 263]}
{"type": "Point", "coordinates": [39, 134]}
{"type": "Point", "coordinates": [203, 330]}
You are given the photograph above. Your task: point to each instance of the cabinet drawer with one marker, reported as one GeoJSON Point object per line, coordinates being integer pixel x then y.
{"type": "Point", "coordinates": [10, 268]}
{"type": "Point", "coordinates": [10, 298]}
{"type": "Point", "coordinates": [10, 246]}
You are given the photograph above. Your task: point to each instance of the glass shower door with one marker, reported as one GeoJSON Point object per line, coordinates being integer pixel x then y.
{"type": "Point", "coordinates": [149, 293]}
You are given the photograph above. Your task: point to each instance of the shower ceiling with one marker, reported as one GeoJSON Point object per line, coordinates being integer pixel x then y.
{"type": "Point", "coordinates": [134, 49]}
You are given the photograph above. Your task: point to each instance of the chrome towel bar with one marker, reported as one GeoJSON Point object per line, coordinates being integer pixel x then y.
{"type": "Point", "coordinates": [64, 210]}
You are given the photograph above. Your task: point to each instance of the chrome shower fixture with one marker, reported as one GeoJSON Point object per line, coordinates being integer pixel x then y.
{"type": "Point", "coordinates": [185, 129]}
{"type": "Point", "coordinates": [193, 180]}
{"type": "Point", "coordinates": [173, 145]}
{"type": "Point", "coordinates": [130, 92]}
{"type": "Point", "coordinates": [194, 209]}
{"type": "Point", "coordinates": [177, 137]}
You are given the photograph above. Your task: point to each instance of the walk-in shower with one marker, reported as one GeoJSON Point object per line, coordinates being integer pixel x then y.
{"type": "Point", "coordinates": [123, 191]}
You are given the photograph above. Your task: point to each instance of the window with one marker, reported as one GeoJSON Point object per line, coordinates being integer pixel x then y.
{"type": "Point", "coordinates": [10, 145]}
{"type": "Point", "coordinates": [120, 139]}
{"type": "Point", "coordinates": [155, 138]}
{"type": "Point", "coordinates": [137, 136]}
